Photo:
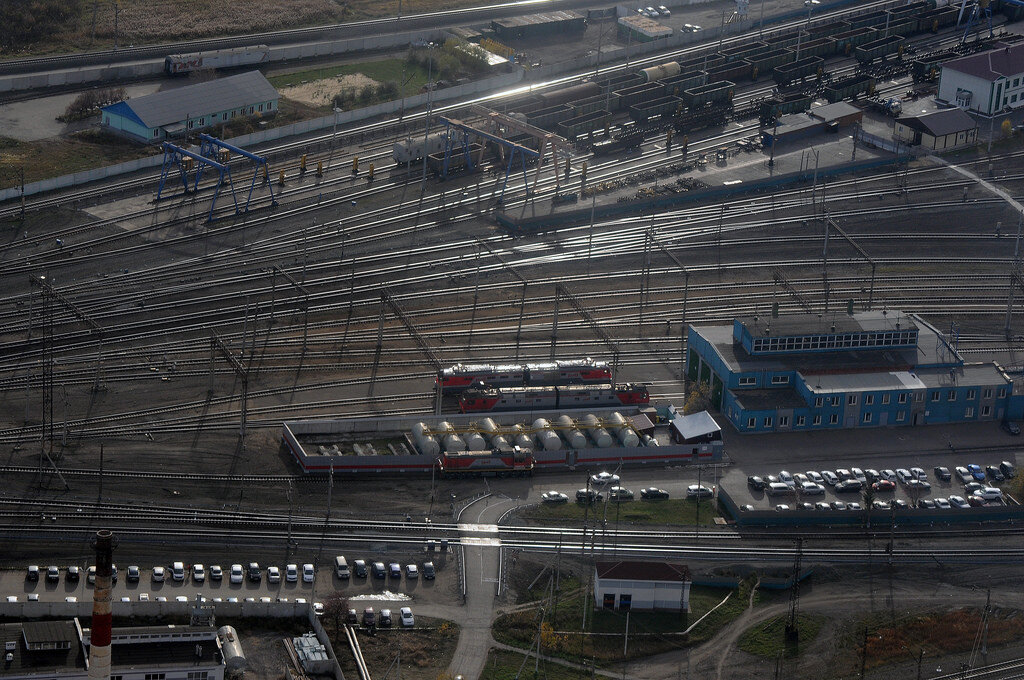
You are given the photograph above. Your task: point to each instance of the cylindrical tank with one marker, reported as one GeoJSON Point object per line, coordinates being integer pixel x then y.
{"type": "Point", "coordinates": [498, 441]}
{"type": "Point", "coordinates": [661, 71]}
{"type": "Point", "coordinates": [596, 432]}
{"type": "Point", "coordinates": [576, 439]}
{"type": "Point", "coordinates": [523, 440]}
{"type": "Point", "coordinates": [623, 431]}
{"type": "Point", "coordinates": [649, 440]}
{"type": "Point", "coordinates": [547, 437]}
{"type": "Point", "coordinates": [475, 441]}
{"type": "Point", "coordinates": [569, 94]}
{"type": "Point", "coordinates": [234, 657]}
{"type": "Point", "coordinates": [453, 443]}
{"type": "Point", "coordinates": [427, 443]}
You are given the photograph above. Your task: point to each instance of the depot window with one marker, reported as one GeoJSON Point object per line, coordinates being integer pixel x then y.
{"type": "Point", "coordinates": [801, 421]}
{"type": "Point", "coordinates": [969, 412]}
{"type": "Point", "coordinates": [818, 402]}
{"type": "Point", "coordinates": [869, 399]}
{"type": "Point", "coordinates": [817, 420]}
{"type": "Point", "coordinates": [780, 379]}
{"type": "Point", "coordinates": [833, 419]}
{"type": "Point", "coordinates": [768, 421]}
{"type": "Point", "coordinates": [783, 421]}
{"type": "Point", "coordinates": [902, 398]}
{"type": "Point", "coordinates": [952, 395]}
{"type": "Point", "coordinates": [751, 422]}
{"type": "Point", "coordinates": [901, 416]}
{"type": "Point", "coordinates": [747, 381]}
{"type": "Point", "coordinates": [866, 418]}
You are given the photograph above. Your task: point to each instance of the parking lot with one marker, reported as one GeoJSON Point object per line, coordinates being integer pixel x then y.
{"type": "Point", "coordinates": [947, 484]}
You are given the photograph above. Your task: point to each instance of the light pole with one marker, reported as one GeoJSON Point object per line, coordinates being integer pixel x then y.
{"type": "Point", "coordinates": [430, 108]}
{"type": "Point", "coordinates": [810, 4]}
{"type": "Point", "coordinates": [334, 134]}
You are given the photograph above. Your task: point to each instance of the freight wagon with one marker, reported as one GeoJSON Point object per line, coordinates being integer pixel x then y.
{"type": "Point", "coordinates": [566, 372]}
{"type": "Point", "coordinates": [784, 75]}
{"type": "Point", "coordinates": [737, 53]}
{"type": "Point", "coordinates": [766, 61]}
{"type": "Point", "coordinates": [623, 142]}
{"type": "Point", "coordinates": [505, 462]}
{"type": "Point", "coordinates": [822, 47]}
{"type": "Point", "coordinates": [770, 109]}
{"type": "Point", "coordinates": [879, 49]}
{"type": "Point", "coordinates": [568, 94]}
{"type": "Point", "coordinates": [849, 88]}
{"type": "Point", "coordinates": [549, 117]}
{"type": "Point", "coordinates": [935, 19]}
{"type": "Point", "coordinates": [175, 64]}
{"type": "Point", "coordinates": [926, 69]}
{"type": "Point", "coordinates": [663, 106]}
{"type": "Point", "coordinates": [872, 19]}
{"type": "Point", "coordinates": [735, 72]}
{"type": "Point", "coordinates": [845, 42]}
{"type": "Point", "coordinates": [636, 94]}
{"type": "Point", "coordinates": [700, 117]}
{"type": "Point", "coordinates": [675, 85]}
{"type": "Point", "coordinates": [549, 398]}
{"type": "Point", "coordinates": [581, 107]}
{"type": "Point", "coordinates": [712, 92]}
{"type": "Point", "coordinates": [583, 125]}
{"type": "Point", "coordinates": [456, 161]}
{"type": "Point", "coordinates": [413, 148]}
{"type": "Point", "coordinates": [660, 72]}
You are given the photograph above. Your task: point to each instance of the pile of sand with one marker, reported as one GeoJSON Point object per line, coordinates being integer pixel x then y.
{"type": "Point", "coordinates": [322, 92]}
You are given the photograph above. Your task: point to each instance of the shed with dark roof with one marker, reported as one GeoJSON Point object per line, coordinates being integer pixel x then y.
{"type": "Point", "coordinates": [938, 130]}
{"type": "Point", "coordinates": [173, 113]}
{"type": "Point", "coordinates": [634, 584]}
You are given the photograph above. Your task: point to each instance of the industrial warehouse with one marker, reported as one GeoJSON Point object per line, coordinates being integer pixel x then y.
{"type": "Point", "coordinates": [493, 341]}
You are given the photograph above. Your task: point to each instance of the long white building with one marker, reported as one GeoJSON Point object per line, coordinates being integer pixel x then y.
{"type": "Point", "coordinates": [629, 584]}
{"type": "Point", "coordinates": [986, 82]}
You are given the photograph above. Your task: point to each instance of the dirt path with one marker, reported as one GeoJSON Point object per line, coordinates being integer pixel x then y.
{"type": "Point", "coordinates": [322, 92]}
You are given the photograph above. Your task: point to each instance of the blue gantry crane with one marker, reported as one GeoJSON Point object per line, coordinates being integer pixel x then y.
{"type": "Point", "coordinates": [979, 8]}
{"type": "Point", "coordinates": [458, 135]}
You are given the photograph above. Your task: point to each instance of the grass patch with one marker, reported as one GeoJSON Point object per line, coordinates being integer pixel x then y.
{"type": "Point", "coordinates": [664, 511]}
{"type": "Point", "coordinates": [382, 71]}
{"type": "Point", "coordinates": [768, 639]}
{"type": "Point", "coordinates": [502, 665]}
{"type": "Point", "coordinates": [427, 649]}
{"type": "Point", "coordinates": [79, 151]}
{"type": "Point", "coordinates": [602, 636]}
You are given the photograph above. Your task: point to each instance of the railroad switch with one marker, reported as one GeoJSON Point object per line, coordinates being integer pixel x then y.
{"type": "Point", "coordinates": [320, 169]}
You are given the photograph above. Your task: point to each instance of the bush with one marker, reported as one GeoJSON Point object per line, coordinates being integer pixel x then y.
{"type": "Point", "coordinates": [90, 101]}
{"type": "Point", "coordinates": [27, 21]}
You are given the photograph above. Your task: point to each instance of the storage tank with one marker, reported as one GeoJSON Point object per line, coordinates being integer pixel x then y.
{"type": "Point", "coordinates": [453, 443]}
{"type": "Point", "coordinates": [234, 657]}
{"type": "Point", "coordinates": [666, 70]}
{"type": "Point", "coordinates": [427, 443]}
{"type": "Point", "coordinates": [576, 439]}
{"type": "Point", "coordinates": [623, 431]}
{"type": "Point", "coordinates": [596, 432]}
{"type": "Point", "coordinates": [523, 440]}
{"type": "Point", "coordinates": [649, 440]}
{"type": "Point", "coordinates": [548, 438]}
{"type": "Point", "coordinates": [498, 441]}
{"type": "Point", "coordinates": [569, 94]}
{"type": "Point", "coordinates": [475, 441]}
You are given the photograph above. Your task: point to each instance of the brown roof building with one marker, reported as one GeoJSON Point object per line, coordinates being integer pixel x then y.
{"type": "Point", "coordinates": [648, 585]}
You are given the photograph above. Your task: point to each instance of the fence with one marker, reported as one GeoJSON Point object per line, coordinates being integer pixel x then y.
{"type": "Point", "coordinates": [302, 127]}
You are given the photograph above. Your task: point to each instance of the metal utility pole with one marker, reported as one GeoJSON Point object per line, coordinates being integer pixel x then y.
{"type": "Point", "coordinates": [217, 345]}
{"type": "Point", "coordinates": [686, 292]}
{"type": "Point", "coordinates": [430, 110]}
{"type": "Point", "coordinates": [645, 277]}
{"type": "Point", "coordinates": [1016, 281]}
{"type": "Point", "coordinates": [562, 292]}
{"type": "Point", "coordinates": [792, 624]}
{"type": "Point", "coordinates": [386, 301]}
{"type": "Point", "coordinates": [832, 224]}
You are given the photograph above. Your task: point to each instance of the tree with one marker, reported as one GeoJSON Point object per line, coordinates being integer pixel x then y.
{"type": "Point", "coordinates": [699, 399]}
{"type": "Point", "coordinates": [336, 606]}
{"type": "Point", "coordinates": [869, 499]}
{"type": "Point", "coordinates": [27, 21]}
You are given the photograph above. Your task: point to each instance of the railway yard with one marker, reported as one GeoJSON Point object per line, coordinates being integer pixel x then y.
{"type": "Point", "coordinates": [301, 379]}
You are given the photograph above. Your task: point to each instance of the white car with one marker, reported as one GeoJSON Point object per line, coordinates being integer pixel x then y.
{"type": "Point", "coordinates": [651, 12]}
{"type": "Point", "coordinates": [815, 477]}
{"type": "Point", "coordinates": [125, 598]}
{"type": "Point", "coordinates": [919, 474]}
{"type": "Point", "coordinates": [787, 479]}
{"type": "Point", "coordinates": [859, 475]}
{"type": "Point", "coordinates": [265, 600]}
{"type": "Point", "coordinates": [71, 598]}
{"type": "Point", "coordinates": [889, 475]}
{"type": "Point", "coordinates": [291, 573]}
{"type": "Point", "coordinates": [308, 573]}
{"type": "Point", "coordinates": [904, 475]}
{"type": "Point", "coordinates": [12, 598]}
{"type": "Point", "coordinates": [412, 571]}
{"type": "Point", "coordinates": [181, 598]}
{"type": "Point", "coordinates": [830, 477]}
{"type": "Point", "coordinates": [233, 600]}
{"type": "Point", "coordinates": [812, 489]}
{"type": "Point", "coordinates": [273, 575]}
{"type": "Point", "coordinates": [143, 597]}
{"type": "Point", "coordinates": [318, 608]}
{"type": "Point", "coordinates": [198, 573]}
{"type": "Point", "coordinates": [943, 504]}
{"type": "Point", "coordinates": [602, 478]}
{"type": "Point", "coordinates": [964, 474]}
{"type": "Point", "coordinates": [843, 474]}
{"type": "Point", "coordinates": [554, 497]}
{"type": "Point", "coordinates": [664, 11]}
{"type": "Point", "coordinates": [405, 614]}
{"type": "Point", "coordinates": [33, 597]}
{"type": "Point", "coordinates": [989, 493]}
{"type": "Point", "coordinates": [237, 575]}
{"type": "Point", "coordinates": [158, 574]}
{"type": "Point", "coordinates": [216, 573]}
{"type": "Point", "coordinates": [178, 571]}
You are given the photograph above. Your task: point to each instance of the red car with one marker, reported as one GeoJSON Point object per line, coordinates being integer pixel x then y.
{"type": "Point", "coordinates": [883, 485]}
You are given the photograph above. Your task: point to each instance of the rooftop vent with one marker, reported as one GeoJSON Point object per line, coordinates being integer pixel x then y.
{"type": "Point", "coordinates": [10, 645]}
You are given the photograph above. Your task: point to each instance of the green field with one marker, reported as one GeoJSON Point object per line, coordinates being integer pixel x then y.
{"type": "Point", "coordinates": [663, 511]}
{"type": "Point", "coordinates": [382, 71]}
{"type": "Point", "coordinates": [768, 639]}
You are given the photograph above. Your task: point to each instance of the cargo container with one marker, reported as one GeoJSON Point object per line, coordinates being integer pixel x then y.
{"type": "Point", "coordinates": [784, 75]}
{"type": "Point", "coordinates": [746, 49]}
{"type": "Point", "coordinates": [845, 42]}
{"type": "Point", "coordinates": [550, 117]}
{"type": "Point", "coordinates": [636, 94]}
{"type": "Point", "coordinates": [684, 81]}
{"type": "Point", "coordinates": [822, 47]}
{"type": "Point", "coordinates": [926, 69]}
{"type": "Point", "coordinates": [582, 125]}
{"type": "Point", "coordinates": [879, 49]}
{"type": "Point", "coordinates": [538, 25]}
{"type": "Point", "coordinates": [660, 72]}
{"type": "Point", "coordinates": [662, 106]}
{"type": "Point", "coordinates": [713, 92]}
{"type": "Point", "coordinates": [849, 88]}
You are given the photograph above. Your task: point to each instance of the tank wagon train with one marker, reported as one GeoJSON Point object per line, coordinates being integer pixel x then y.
{"type": "Point", "coordinates": [476, 400]}
{"type": "Point", "coordinates": [569, 372]}
{"type": "Point", "coordinates": [176, 64]}
{"type": "Point", "coordinates": [504, 444]}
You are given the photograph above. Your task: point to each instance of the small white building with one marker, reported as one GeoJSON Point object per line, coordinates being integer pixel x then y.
{"type": "Point", "coordinates": [629, 584]}
{"type": "Point", "coordinates": [986, 82]}
{"type": "Point", "coordinates": [938, 130]}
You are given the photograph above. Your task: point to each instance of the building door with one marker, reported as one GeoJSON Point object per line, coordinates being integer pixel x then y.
{"type": "Point", "coordinates": [883, 418]}
{"type": "Point", "coordinates": [918, 418]}
{"type": "Point", "coordinates": [608, 601]}
{"type": "Point", "coordinates": [625, 602]}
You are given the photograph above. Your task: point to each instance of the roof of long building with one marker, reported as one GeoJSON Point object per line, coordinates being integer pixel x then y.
{"type": "Point", "coordinates": [1001, 62]}
{"type": "Point", "coordinates": [193, 101]}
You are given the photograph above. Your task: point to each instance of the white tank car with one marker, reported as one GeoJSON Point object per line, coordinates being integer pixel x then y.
{"type": "Point", "coordinates": [427, 442]}
{"type": "Point", "coordinates": [576, 439]}
{"type": "Point", "coordinates": [411, 149]}
{"type": "Point", "coordinates": [624, 432]}
{"type": "Point", "coordinates": [453, 443]}
{"type": "Point", "coordinates": [548, 438]}
{"type": "Point", "coordinates": [600, 435]}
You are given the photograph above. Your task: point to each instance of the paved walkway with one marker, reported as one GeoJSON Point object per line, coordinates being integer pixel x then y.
{"type": "Point", "coordinates": [998, 191]}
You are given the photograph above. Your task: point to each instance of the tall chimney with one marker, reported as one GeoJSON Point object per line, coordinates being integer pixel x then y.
{"type": "Point", "coordinates": [99, 644]}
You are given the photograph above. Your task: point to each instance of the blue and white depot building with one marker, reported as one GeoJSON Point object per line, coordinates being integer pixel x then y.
{"type": "Point", "coordinates": [871, 369]}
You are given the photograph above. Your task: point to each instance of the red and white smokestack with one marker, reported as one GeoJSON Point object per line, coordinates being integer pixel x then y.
{"type": "Point", "coordinates": [99, 643]}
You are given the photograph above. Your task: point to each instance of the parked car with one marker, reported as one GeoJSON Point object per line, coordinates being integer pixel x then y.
{"type": "Point", "coordinates": [588, 496]}
{"type": "Point", "coordinates": [134, 574]}
{"type": "Point", "coordinates": [854, 506]}
{"type": "Point", "coordinates": [942, 473]}
{"type": "Point", "coordinates": [756, 483]}
{"type": "Point", "coordinates": [904, 475]}
{"type": "Point", "coordinates": [918, 485]}
{"type": "Point", "coordinates": [236, 573]}
{"type": "Point", "coordinates": [554, 497]}
{"type": "Point", "coordinates": [318, 608]}
{"type": "Point", "coordinates": [143, 597]}
{"type": "Point", "coordinates": [919, 474]}
{"type": "Point", "coordinates": [800, 478]}
{"type": "Point", "coordinates": [602, 478]}
{"type": "Point", "coordinates": [956, 501]}
{"type": "Point", "coordinates": [872, 475]}
{"type": "Point", "coordinates": [273, 574]}
{"type": "Point", "coordinates": [822, 506]}
{"type": "Point", "coordinates": [1011, 427]}
{"type": "Point", "coordinates": [664, 11]}
{"type": "Point", "coordinates": [971, 487]}
{"type": "Point", "coordinates": [653, 492]}
{"type": "Point", "coordinates": [620, 493]}
{"type": "Point", "coordinates": [880, 505]}
{"type": "Point", "coordinates": [976, 501]}
{"type": "Point", "coordinates": [308, 573]}
{"type": "Point", "coordinates": [158, 575]}
{"type": "Point", "coordinates": [963, 474]}
{"type": "Point", "coordinates": [838, 505]}
{"type": "Point", "coordinates": [943, 504]}
{"type": "Point", "coordinates": [976, 472]}
{"type": "Point", "coordinates": [395, 570]}
{"type": "Point", "coordinates": [53, 574]}
{"type": "Point", "coordinates": [890, 475]}
{"type": "Point", "coordinates": [74, 573]}
{"type": "Point", "coordinates": [378, 570]}
{"type": "Point", "coordinates": [411, 571]}
{"type": "Point", "coordinates": [775, 489]}
{"type": "Point", "coordinates": [369, 617]}
{"type": "Point", "coordinates": [1008, 469]}
{"type": "Point", "coordinates": [830, 477]}
{"type": "Point", "coordinates": [385, 618]}
{"type": "Point", "coordinates": [255, 575]}
{"type": "Point", "coordinates": [989, 493]}
{"type": "Point", "coordinates": [815, 477]}
{"type": "Point", "coordinates": [428, 571]}
{"type": "Point", "coordinates": [883, 485]}
{"type": "Point", "coordinates": [701, 491]}
{"type": "Point", "coordinates": [926, 504]}
{"type": "Point", "coordinates": [787, 479]}
{"type": "Point", "coordinates": [804, 506]}
{"type": "Point", "coordinates": [859, 475]}
{"type": "Point", "coordinates": [352, 617]}
{"type": "Point", "coordinates": [994, 473]}
{"type": "Point", "coordinates": [216, 573]}
{"type": "Point", "coordinates": [812, 489]}
{"type": "Point", "coordinates": [198, 573]}
{"type": "Point", "coordinates": [782, 507]}
{"type": "Point", "coordinates": [849, 486]}
{"type": "Point", "coordinates": [90, 575]}
{"type": "Point", "coordinates": [747, 508]}
{"type": "Point", "coordinates": [291, 573]}
{"type": "Point", "coordinates": [843, 474]}
{"type": "Point", "coordinates": [899, 504]}
{"type": "Point", "coordinates": [408, 621]}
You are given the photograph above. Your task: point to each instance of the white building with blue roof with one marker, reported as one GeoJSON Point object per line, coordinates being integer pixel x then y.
{"type": "Point", "coordinates": [177, 112]}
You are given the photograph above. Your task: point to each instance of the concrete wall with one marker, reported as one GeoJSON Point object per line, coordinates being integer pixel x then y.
{"type": "Point", "coordinates": [344, 118]}
{"type": "Point", "coordinates": [83, 608]}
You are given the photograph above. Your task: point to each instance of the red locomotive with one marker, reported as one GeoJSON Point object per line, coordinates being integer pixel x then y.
{"type": "Point", "coordinates": [503, 462]}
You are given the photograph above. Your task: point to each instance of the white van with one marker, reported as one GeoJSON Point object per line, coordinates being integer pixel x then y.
{"type": "Point", "coordinates": [779, 489]}
{"type": "Point", "coordinates": [341, 567]}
